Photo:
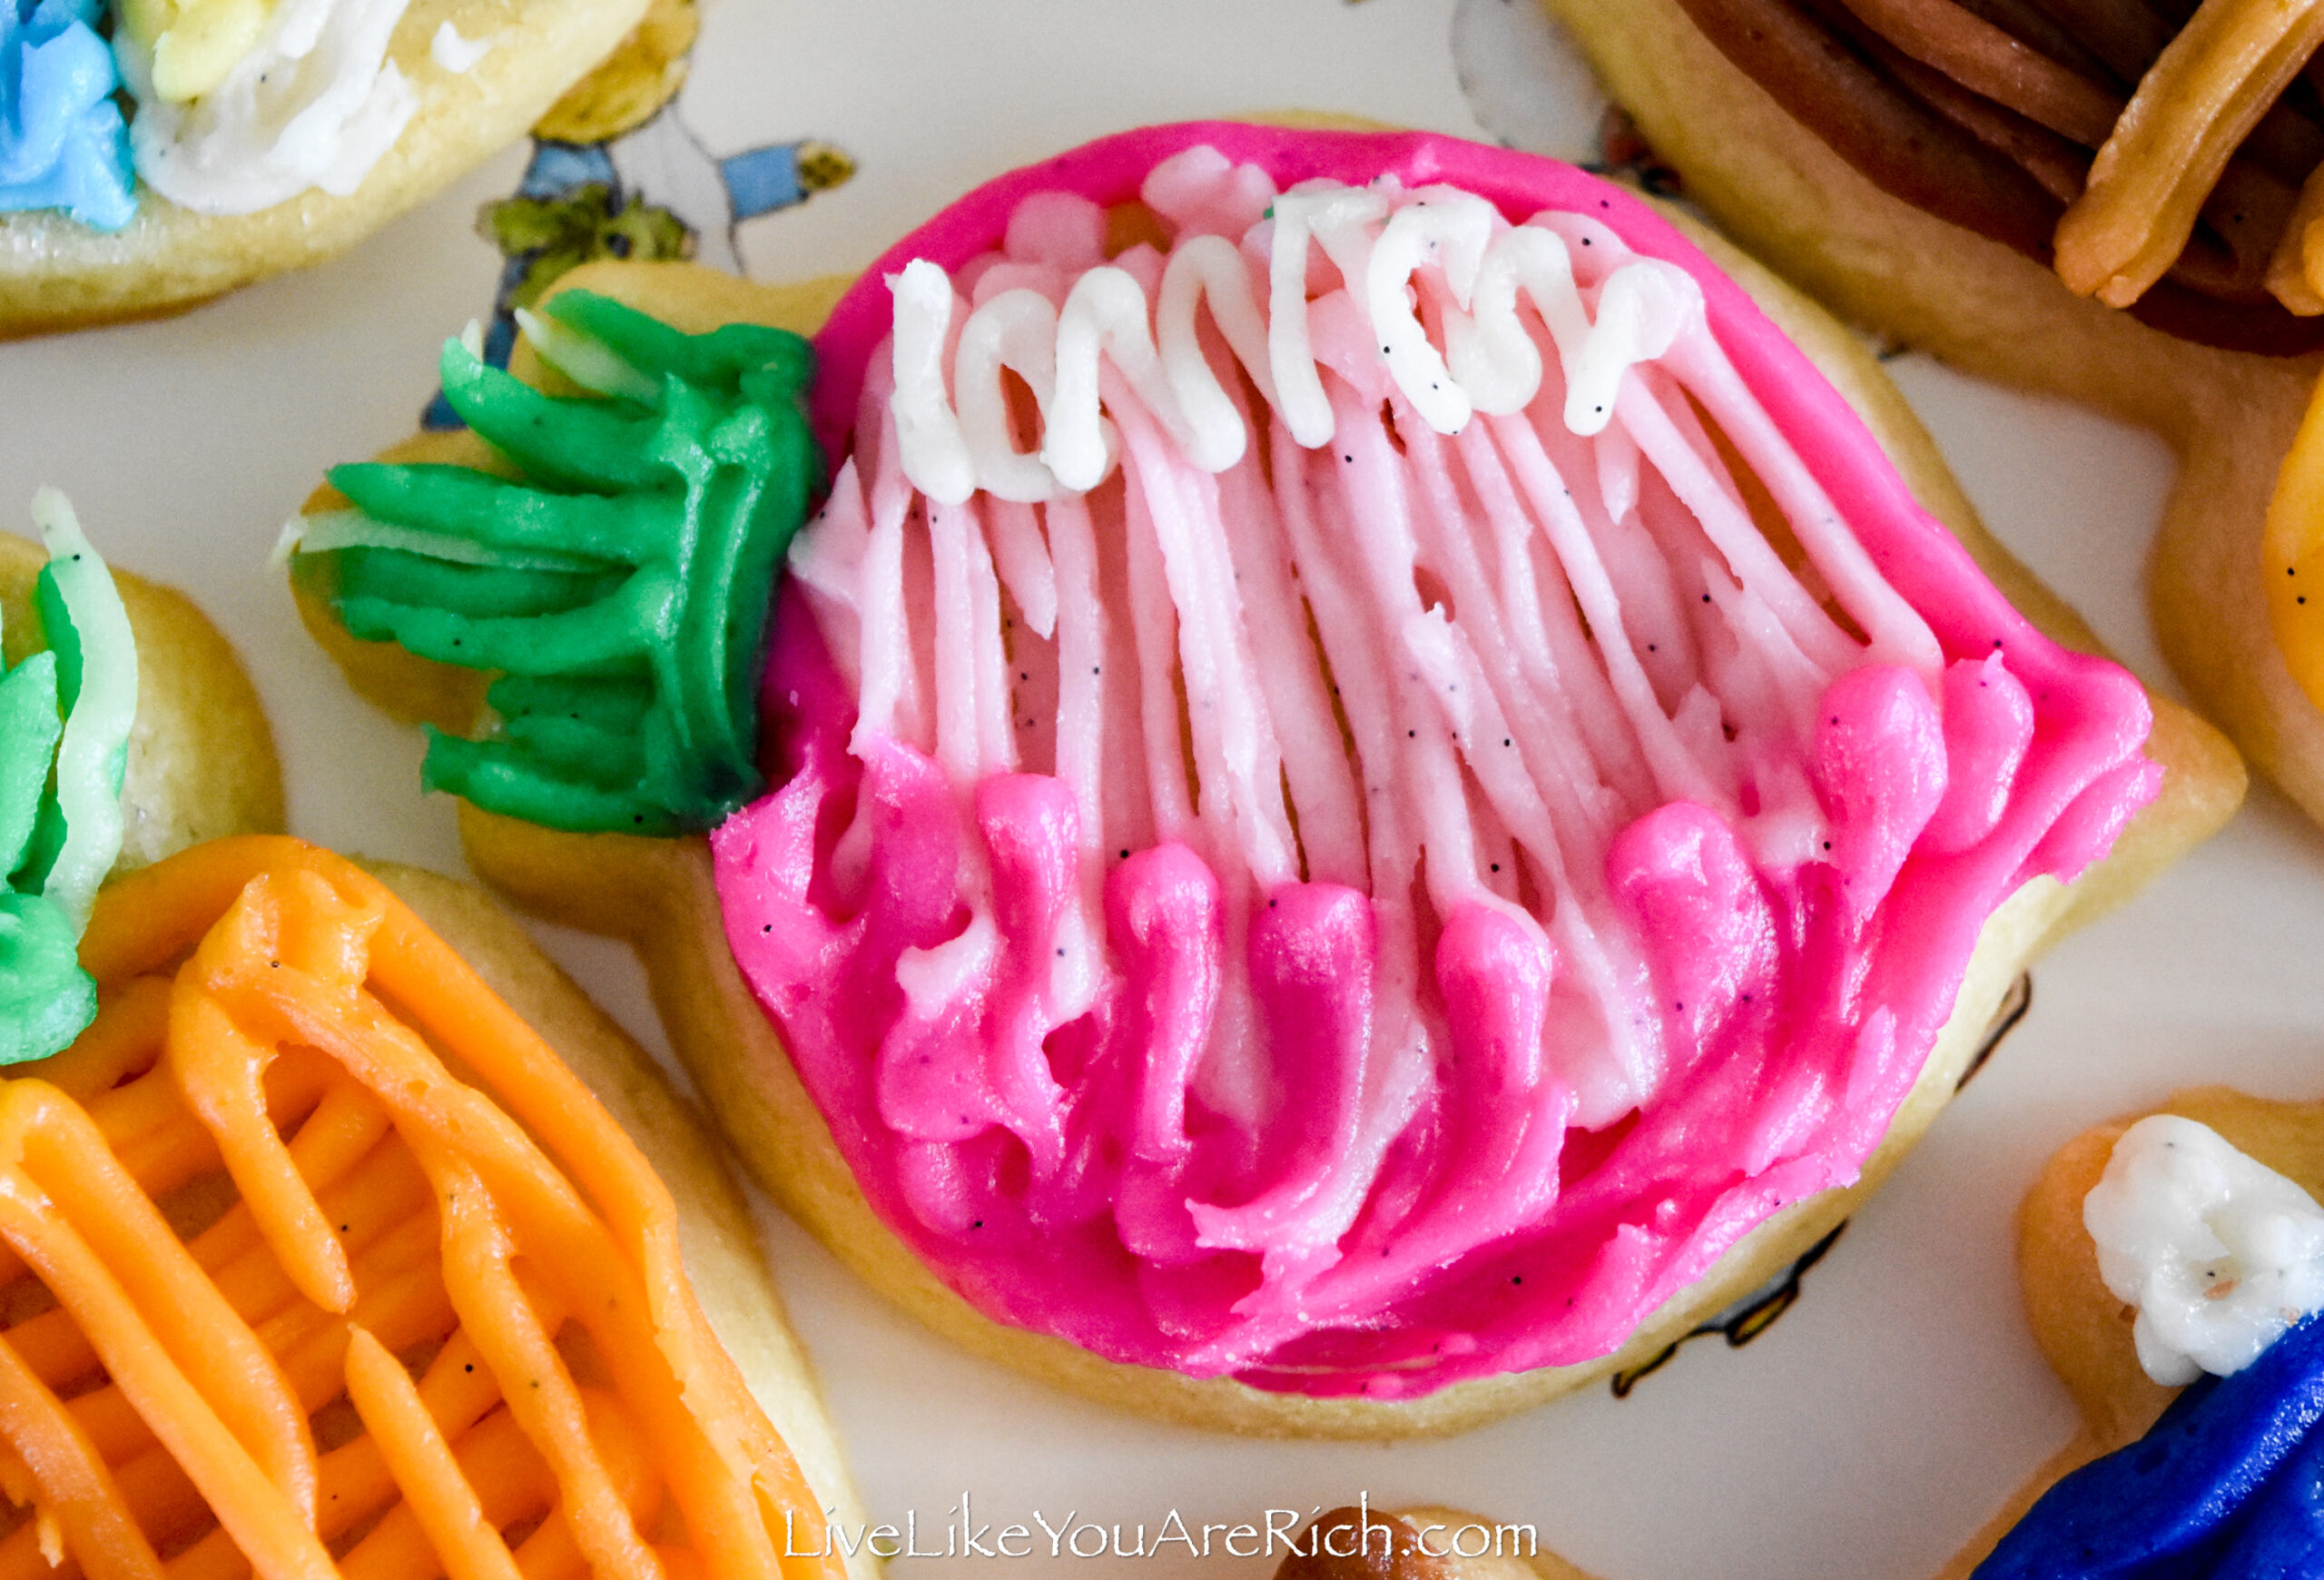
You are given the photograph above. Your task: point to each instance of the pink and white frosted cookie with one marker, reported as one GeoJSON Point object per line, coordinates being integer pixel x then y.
{"type": "Point", "coordinates": [1380, 796]}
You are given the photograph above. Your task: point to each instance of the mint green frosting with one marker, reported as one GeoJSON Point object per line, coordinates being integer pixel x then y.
{"type": "Point", "coordinates": [620, 588]}
{"type": "Point", "coordinates": [66, 715]}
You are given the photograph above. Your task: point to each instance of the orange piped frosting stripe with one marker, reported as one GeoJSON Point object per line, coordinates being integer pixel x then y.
{"type": "Point", "coordinates": [442, 1502]}
{"type": "Point", "coordinates": [281, 1294]}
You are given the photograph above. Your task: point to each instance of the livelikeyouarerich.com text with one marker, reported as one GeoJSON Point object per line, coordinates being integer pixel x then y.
{"type": "Point", "coordinates": [1276, 1533]}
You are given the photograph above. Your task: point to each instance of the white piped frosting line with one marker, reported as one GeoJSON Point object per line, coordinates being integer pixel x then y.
{"type": "Point", "coordinates": [2219, 1253]}
{"type": "Point", "coordinates": [1015, 330]}
{"type": "Point", "coordinates": [1103, 316]}
{"type": "Point", "coordinates": [958, 438]}
{"type": "Point", "coordinates": [1329, 213]}
{"type": "Point", "coordinates": [935, 454]}
{"type": "Point", "coordinates": [1441, 660]}
{"type": "Point", "coordinates": [1208, 268]}
{"type": "Point", "coordinates": [1451, 232]}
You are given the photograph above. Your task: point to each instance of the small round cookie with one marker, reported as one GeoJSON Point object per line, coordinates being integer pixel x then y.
{"type": "Point", "coordinates": [202, 761]}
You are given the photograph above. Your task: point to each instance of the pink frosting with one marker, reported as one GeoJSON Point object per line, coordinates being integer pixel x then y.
{"type": "Point", "coordinates": [1072, 1173]}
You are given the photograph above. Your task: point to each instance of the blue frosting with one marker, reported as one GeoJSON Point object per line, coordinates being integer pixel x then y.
{"type": "Point", "coordinates": [64, 144]}
{"type": "Point", "coordinates": [2229, 1482]}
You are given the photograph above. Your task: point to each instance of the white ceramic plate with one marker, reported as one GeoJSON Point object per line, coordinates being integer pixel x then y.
{"type": "Point", "coordinates": [1872, 1428]}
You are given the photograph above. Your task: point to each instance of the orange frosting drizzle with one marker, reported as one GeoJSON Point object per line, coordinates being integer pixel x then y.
{"type": "Point", "coordinates": [254, 1200]}
{"type": "Point", "coordinates": [2192, 110]}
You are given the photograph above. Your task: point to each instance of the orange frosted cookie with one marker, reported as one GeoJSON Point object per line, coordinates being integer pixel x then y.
{"type": "Point", "coordinates": [329, 1262]}
{"type": "Point", "coordinates": [339, 1233]}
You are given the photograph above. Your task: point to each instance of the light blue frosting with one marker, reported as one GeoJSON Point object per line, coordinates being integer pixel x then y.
{"type": "Point", "coordinates": [64, 144]}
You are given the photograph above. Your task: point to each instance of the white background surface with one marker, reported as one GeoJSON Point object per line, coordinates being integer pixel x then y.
{"type": "Point", "coordinates": [1872, 1428]}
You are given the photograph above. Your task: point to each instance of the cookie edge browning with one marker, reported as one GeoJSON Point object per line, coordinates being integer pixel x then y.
{"type": "Point", "coordinates": [56, 274]}
{"type": "Point", "coordinates": [1922, 282]}
{"type": "Point", "coordinates": [716, 1237]}
{"type": "Point", "coordinates": [659, 895]}
{"type": "Point", "coordinates": [201, 761]}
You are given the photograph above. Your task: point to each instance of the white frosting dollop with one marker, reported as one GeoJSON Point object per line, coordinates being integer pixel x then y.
{"type": "Point", "coordinates": [2219, 1253]}
{"type": "Point", "coordinates": [315, 104]}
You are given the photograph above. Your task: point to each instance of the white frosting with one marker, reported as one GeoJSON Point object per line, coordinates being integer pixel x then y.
{"type": "Point", "coordinates": [454, 53]}
{"type": "Point", "coordinates": [935, 455]}
{"type": "Point", "coordinates": [1450, 230]}
{"type": "Point", "coordinates": [956, 433]}
{"type": "Point", "coordinates": [315, 104]}
{"type": "Point", "coordinates": [1104, 315]}
{"type": "Point", "coordinates": [2219, 1253]}
{"type": "Point", "coordinates": [1403, 662]}
{"type": "Point", "coordinates": [1209, 269]}
{"type": "Point", "coordinates": [1017, 329]}
{"type": "Point", "coordinates": [583, 359]}
{"type": "Point", "coordinates": [1339, 218]}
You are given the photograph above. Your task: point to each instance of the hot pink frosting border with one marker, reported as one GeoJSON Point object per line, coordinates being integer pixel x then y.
{"type": "Point", "coordinates": [2077, 695]}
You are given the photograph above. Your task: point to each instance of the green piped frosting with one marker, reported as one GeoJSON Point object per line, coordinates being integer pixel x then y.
{"type": "Point", "coordinates": [621, 589]}
{"type": "Point", "coordinates": [66, 715]}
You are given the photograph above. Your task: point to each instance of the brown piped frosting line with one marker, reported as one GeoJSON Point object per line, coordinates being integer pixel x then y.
{"type": "Point", "coordinates": [2058, 165]}
{"type": "Point", "coordinates": [1991, 62]}
{"type": "Point", "coordinates": [1987, 116]}
{"type": "Point", "coordinates": [2124, 39]}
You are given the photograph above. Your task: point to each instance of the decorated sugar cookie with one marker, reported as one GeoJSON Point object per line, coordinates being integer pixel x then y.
{"type": "Point", "coordinates": [1285, 852]}
{"type": "Point", "coordinates": [155, 153]}
{"type": "Point", "coordinates": [320, 1258]}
